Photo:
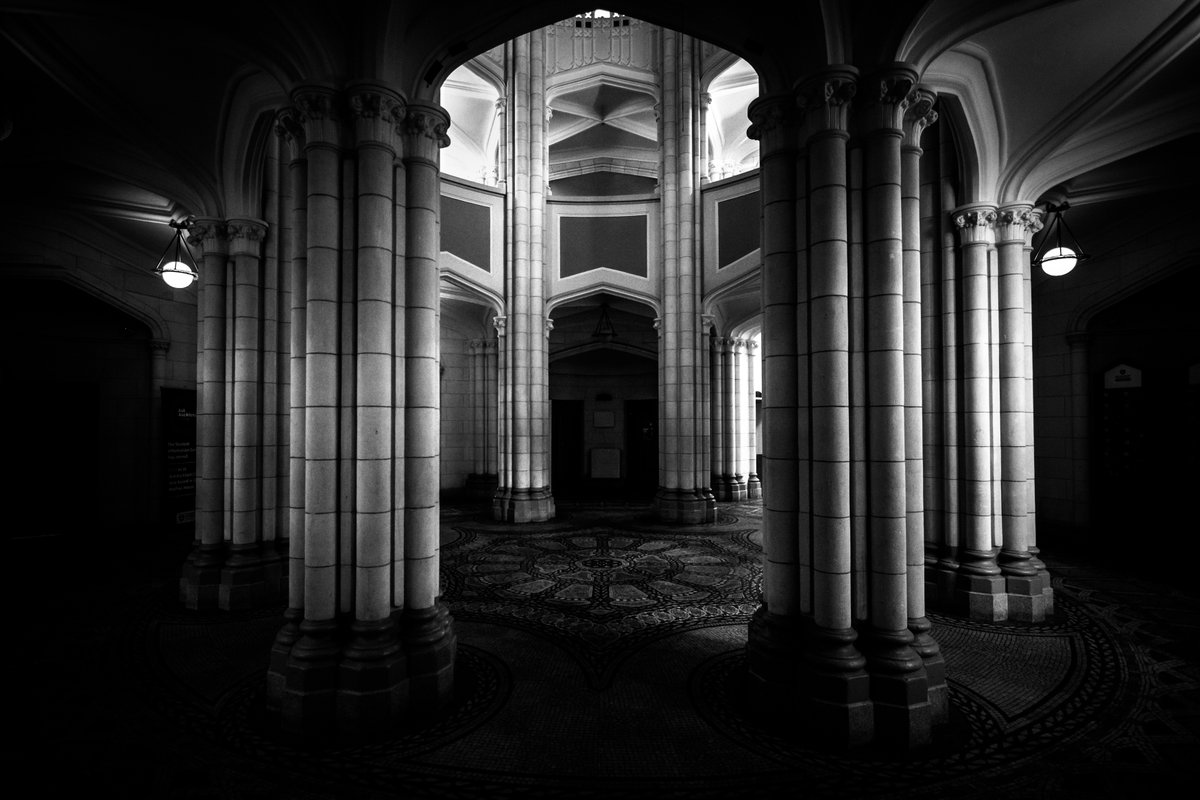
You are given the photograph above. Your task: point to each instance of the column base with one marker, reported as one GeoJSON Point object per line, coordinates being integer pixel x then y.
{"type": "Point", "coordinates": [753, 487]}
{"type": "Point", "coordinates": [685, 506]}
{"type": "Point", "coordinates": [243, 578]}
{"type": "Point", "coordinates": [389, 672]}
{"type": "Point", "coordinates": [935, 669]}
{"type": "Point", "coordinates": [982, 597]}
{"type": "Point", "coordinates": [200, 577]}
{"type": "Point", "coordinates": [523, 505]}
{"type": "Point", "coordinates": [899, 689]}
{"type": "Point", "coordinates": [1026, 599]}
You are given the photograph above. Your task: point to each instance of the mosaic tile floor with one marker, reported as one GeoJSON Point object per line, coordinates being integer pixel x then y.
{"type": "Point", "coordinates": [600, 656]}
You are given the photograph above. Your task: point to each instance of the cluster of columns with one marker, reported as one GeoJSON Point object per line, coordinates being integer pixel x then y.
{"type": "Point", "coordinates": [318, 412]}
{"type": "Point", "coordinates": [896, 365]}
{"type": "Point", "coordinates": [732, 406]}
{"type": "Point", "coordinates": [242, 411]}
{"type": "Point", "coordinates": [483, 369]}
{"type": "Point", "coordinates": [685, 492]}
{"type": "Point", "coordinates": [524, 492]}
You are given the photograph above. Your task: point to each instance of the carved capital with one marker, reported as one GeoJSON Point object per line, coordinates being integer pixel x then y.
{"type": "Point", "coordinates": [884, 107]}
{"type": "Point", "coordinates": [245, 236]}
{"type": "Point", "coordinates": [320, 115]}
{"type": "Point", "coordinates": [159, 347]}
{"type": "Point", "coordinates": [1017, 223]}
{"type": "Point", "coordinates": [657, 325]}
{"type": "Point", "coordinates": [289, 126]}
{"type": "Point", "coordinates": [825, 100]}
{"type": "Point", "coordinates": [209, 234]}
{"type": "Point", "coordinates": [918, 116]}
{"type": "Point", "coordinates": [424, 127]}
{"type": "Point", "coordinates": [375, 113]}
{"type": "Point", "coordinates": [975, 224]}
{"type": "Point", "coordinates": [549, 326]}
{"type": "Point", "coordinates": [500, 322]}
{"type": "Point", "coordinates": [771, 121]}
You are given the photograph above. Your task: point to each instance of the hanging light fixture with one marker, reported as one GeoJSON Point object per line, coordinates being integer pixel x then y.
{"type": "Point", "coordinates": [177, 266]}
{"type": "Point", "coordinates": [1054, 257]}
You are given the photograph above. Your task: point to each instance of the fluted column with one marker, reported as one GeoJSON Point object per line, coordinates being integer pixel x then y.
{"type": "Point", "coordinates": [243, 582]}
{"type": "Point", "coordinates": [774, 648]}
{"type": "Point", "coordinates": [716, 384]}
{"type": "Point", "coordinates": [426, 626]}
{"type": "Point", "coordinates": [481, 483]}
{"type": "Point", "coordinates": [289, 128]}
{"type": "Point", "coordinates": [524, 491]}
{"type": "Point", "coordinates": [899, 683]}
{"type": "Point", "coordinates": [918, 115]}
{"type": "Point", "coordinates": [201, 576]}
{"type": "Point", "coordinates": [735, 427]}
{"type": "Point", "coordinates": [753, 482]}
{"type": "Point", "coordinates": [980, 588]}
{"type": "Point", "coordinates": [684, 494]}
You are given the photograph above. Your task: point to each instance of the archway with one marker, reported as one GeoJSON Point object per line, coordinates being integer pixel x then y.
{"type": "Point", "coordinates": [604, 400]}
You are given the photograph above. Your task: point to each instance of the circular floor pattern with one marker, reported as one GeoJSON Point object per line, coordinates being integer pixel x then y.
{"type": "Point", "coordinates": [599, 591]}
{"type": "Point", "coordinates": [974, 754]}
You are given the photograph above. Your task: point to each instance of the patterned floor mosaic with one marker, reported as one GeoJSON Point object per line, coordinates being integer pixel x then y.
{"type": "Point", "coordinates": [601, 655]}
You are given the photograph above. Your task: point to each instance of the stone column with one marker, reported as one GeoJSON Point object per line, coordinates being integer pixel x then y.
{"type": "Point", "coordinates": [524, 491]}
{"type": "Point", "coordinates": [840, 688]}
{"type": "Point", "coordinates": [371, 666]}
{"type": "Point", "coordinates": [201, 578]}
{"type": "Point", "coordinates": [899, 683]}
{"type": "Point", "coordinates": [774, 647]}
{"type": "Point", "coordinates": [482, 483]}
{"type": "Point", "coordinates": [308, 681]}
{"type": "Point", "coordinates": [1077, 346]}
{"type": "Point", "coordinates": [243, 582]}
{"type": "Point", "coordinates": [918, 115]}
{"type": "Point", "coordinates": [294, 255]}
{"type": "Point", "coordinates": [949, 405]}
{"type": "Point", "coordinates": [716, 384]}
{"type": "Point", "coordinates": [753, 483]}
{"type": "Point", "coordinates": [426, 626]}
{"type": "Point", "coordinates": [1015, 227]}
{"type": "Point", "coordinates": [684, 495]}
{"type": "Point", "coordinates": [734, 427]}
{"type": "Point", "coordinates": [980, 590]}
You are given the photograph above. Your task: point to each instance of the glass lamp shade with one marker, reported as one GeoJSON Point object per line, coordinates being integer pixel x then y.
{"type": "Point", "coordinates": [177, 274]}
{"type": "Point", "coordinates": [1059, 261]}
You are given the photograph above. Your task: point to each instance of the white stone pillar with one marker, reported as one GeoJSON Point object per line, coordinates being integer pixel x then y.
{"type": "Point", "coordinates": [1014, 229]}
{"type": "Point", "coordinates": [524, 491]}
{"type": "Point", "coordinates": [981, 586]}
{"type": "Point", "coordinates": [899, 683]}
{"type": "Point", "coordinates": [684, 495]}
{"type": "Point", "coordinates": [753, 482]}
{"type": "Point", "coordinates": [918, 115]}
{"type": "Point", "coordinates": [200, 580]}
{"type": "Point", "coordinates": [716, 382]}
{"type": "Point", "coordinates": [735, 431]}
{"type": "Point", "coordinates": [243, 584]}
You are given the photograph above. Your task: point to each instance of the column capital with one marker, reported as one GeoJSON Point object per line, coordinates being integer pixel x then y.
{"type": "Point", "coordinates": [1018, 222]}
{"type": "Point", "coordinates": [825, 99]}
{"type": "Point", "coordinates": [884, 98]}
{"type": "Point", "coordinates": [549, 326]}
{"type": "Point", "coordinates": [500, 322]}
{"type": "Point", "coordinates": [772, 120]}
{"type": "Point", "coordinates": [245, 236]}
{"type": "Point", "coordinates": [375, 112]}
{"type": "Point", "coordinates": [918, 116]}
{"type": "Point", "coordinates": [159, 347]}
{"type": "Point", "coordinates": [289, 126]}
{"type": "Point", "coordinates": [424, 128]}
{"type": "Point", "coordinates": [209, 234]}
{"type": "Point", "coordinates": [320, 114]}
{"type": "Point", "coordinates": [975, 223]}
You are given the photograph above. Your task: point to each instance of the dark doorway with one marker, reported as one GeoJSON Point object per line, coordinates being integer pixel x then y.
{"type": "Point", "coordinates": [641, 449]}
{"type": "Point", "coordinates": [567, 467]}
